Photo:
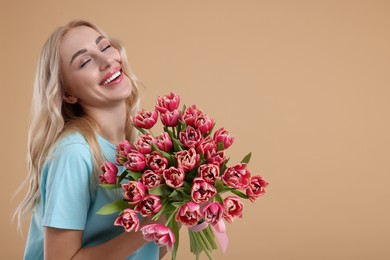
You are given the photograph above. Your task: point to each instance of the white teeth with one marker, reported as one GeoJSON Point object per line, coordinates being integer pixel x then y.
{"type": "Point", "coordinates": [114, 76]}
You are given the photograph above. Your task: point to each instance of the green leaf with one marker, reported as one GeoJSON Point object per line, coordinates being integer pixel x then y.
{"type": "Point", "coordinates": [178, 204]}
{"type": "Point", "coordinates": [161, 190]}
{"type": "Point", "coordinates": [239, 194]}
{"type": "Point", "coordinates": [134, 175]}
{"type": "Point", "coordinates": [220, 146]}
{"type": "Point", "coordinates": [247, 158]}
{"type": "Point", "coordinates": [224, 166]}
{"type": "Point", "coordinates": [211, 130]}
{"type": "Point", "coordinates": [218, 185]}
{"type": "Point", "coordinates": [143, 131]}
{"type": "Point", "coordinates": [180, 194]}
{"type": "Point", "coordinates": [180, 126]}
{"type": "Point", "coordinates": [183, 109]}
{"type": "Point", "coordinates": [172, 224]}
{"type": "Point", "coordinates": [113, 207]}
{"type": "Point", "coordinates": [110, 186]}
{"type": "Point", "coordinates": [177, 145]}
{"type": "Point", "coordinates": [202, 159]}
{"type": "Point", "coordinates": [163, 153]}
{"type": "Point", "coordinates": [218, 198]}
{"type": "Point", "coordinates": [170, 133]}
{"type": "Point", "coordinates": [186, 187]}
{"type": "Point", "coordinates": [170, 208]}
{"type": "Point", "coordinates": [175, 194]}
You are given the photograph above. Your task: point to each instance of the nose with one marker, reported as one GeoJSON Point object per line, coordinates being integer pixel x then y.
{"type": "Point", "coordinates": [106, 62]}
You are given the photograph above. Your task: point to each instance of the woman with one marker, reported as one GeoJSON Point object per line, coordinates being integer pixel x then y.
{"type": "Point", "coordinates": [84, 93]}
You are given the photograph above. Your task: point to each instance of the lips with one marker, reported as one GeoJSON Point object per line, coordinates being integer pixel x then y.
{"type": "Point", "coordinates": [112, 78]}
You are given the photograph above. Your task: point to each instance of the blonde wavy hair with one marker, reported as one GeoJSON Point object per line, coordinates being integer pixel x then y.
{"type": "Point", "coordinates": [52, 117]}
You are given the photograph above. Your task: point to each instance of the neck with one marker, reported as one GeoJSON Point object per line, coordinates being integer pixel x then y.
{"type": "Point", "coordinates": [111, 121]}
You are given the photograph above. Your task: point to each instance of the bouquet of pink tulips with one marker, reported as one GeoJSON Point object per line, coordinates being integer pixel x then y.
{"type": "Point", "coordinates": [182, 173]}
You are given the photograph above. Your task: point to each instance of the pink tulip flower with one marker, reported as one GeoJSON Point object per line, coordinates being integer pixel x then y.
{"type": "Point", "coordinates": [149, 205]}
{"type": "Point", "coordinates": [201, 190]}
{"type": "Point", "coordinates": [122, 150]}
{"type": "Point", "coordinates": [128, 219]}
{"type": "Point", "coordinates": [237, 177]}
{"type": "Point", "coordinates": [170, 118]}
{"type": "Point", "coordinates": [187, 159]}
{"type": "Point", "coordinates": [143, 144]}
{"type": "Point", "coordinates": [134, 191]}
{"type": "Point", "coordinates": [163, 142]}
{"type": "Point", "coordinates": [174, 177]}
{"type": "Point", "coordinates": [215, 157]}
{"type": "Point", "coordinates": [204, 123]}
{"type": "Point", "coordinates": [160, 234]}
{"type": "Point", "coordinates": [135, 161]}
{"type": "Point", "coordinates": [190, 114]}
{"type": "Point", "coordinates": [191, 137]}
{"type": "Point", "coordinates": [150, 179]}
{"type": "Point", "coordinates": [233, 208]}
{"type": "Point", "coordinates": [256, 187]}
{"type": "Point", "coordinates": [223, 136]}
{"type": "Point", "coordinates": [213, 212]}
{"type": "Point", "coordinates": [206, 146]}
{"type": "Point", "coordinates": [167, 103]}
{"type": "Point", "coordinates": [156, 162]}
{"type": "Point", "coordinates": [209, 172]}
{"type": "Point", "coordinates": [145, 119]}
{"type": "Point", "coordinates": [189, 214]}
{"type": "Point", "coordinates": [109, 173]}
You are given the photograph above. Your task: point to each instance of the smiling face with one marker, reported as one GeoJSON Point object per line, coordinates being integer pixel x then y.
{"type": "Point", "coordinates": [91, 70]}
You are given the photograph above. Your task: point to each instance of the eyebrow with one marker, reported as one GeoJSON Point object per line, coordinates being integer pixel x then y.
{"type": "Point", "coordinates": [78, 53]}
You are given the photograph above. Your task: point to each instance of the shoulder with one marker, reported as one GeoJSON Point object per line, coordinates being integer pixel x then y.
{"type": "Point", "coordinates": [69, 159]}
{"type": "Point", "coordinates": [72, 144]}
{"type": "Point", "coordinates": [70, 150]}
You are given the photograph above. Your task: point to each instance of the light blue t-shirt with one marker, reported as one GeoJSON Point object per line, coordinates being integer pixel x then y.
{"type": "Point", "coordinates": [67, 202]}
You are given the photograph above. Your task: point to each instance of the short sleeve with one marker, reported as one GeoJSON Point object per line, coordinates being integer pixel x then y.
{"type": "Point", "coordinates": [67, 187]}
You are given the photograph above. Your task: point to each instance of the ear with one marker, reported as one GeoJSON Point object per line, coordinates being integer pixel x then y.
{"type": "Point", "coordinates": [70, 99]}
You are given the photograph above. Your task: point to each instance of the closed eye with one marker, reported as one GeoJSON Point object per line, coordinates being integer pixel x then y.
{"type": "Point", "coordinates": [105, 48]}
{"type": "Point", "coordinates": [85, 63]}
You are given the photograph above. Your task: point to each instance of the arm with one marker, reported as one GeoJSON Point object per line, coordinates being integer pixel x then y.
{"type": "Point", "coordinates": [65, 244]}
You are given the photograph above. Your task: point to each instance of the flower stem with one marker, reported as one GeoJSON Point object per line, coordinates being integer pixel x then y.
{"type": "Point", "coordinates": [203, 245]}
{"type": "Point", "coordinates": [173, 131]}
{"type": "Point", "coordinates": [194, 245]}
{"type": "Point", "coordinates": [205, 240]}
{"type": "Point", "coordinates": [209, 232]}
{"type": "Point", "coordinates": [170, 218]}
{"type": "Point", "coordinates": [191, 242]}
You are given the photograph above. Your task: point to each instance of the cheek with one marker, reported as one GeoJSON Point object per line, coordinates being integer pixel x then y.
{"type": "Point", "coordinates": [80, 82]}
{"type": "Point", "coordinates": [115, 54]}
{"type": "Point", "coordinates": [69, 84]}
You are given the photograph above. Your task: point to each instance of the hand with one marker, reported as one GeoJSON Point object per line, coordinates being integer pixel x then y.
{"type": "Point", "coordinates": [163, 252]}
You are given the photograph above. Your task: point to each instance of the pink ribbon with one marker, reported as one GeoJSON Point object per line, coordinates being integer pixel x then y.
{"type": "Point", "coordinates": [221, 235]}
{"type": "Point", "coordinates": [219, 230]}
{"type": "Point", "coordinates": [199, 227]}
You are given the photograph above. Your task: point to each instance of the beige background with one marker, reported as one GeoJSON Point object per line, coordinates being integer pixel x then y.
{"type": "Point", "coordinates": [304, 85]}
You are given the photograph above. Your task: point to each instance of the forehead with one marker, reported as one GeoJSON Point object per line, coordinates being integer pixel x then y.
{"type": "Point", "coordinates": [77, 38]}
